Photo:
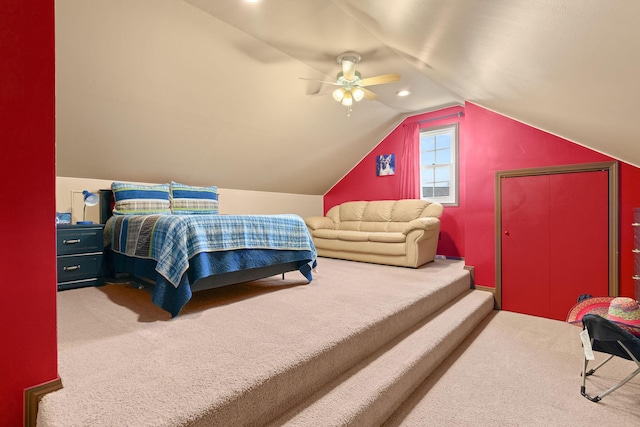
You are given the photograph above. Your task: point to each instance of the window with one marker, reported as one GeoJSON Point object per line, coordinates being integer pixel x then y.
{"type": "Point", "coordinates": [439, 164]}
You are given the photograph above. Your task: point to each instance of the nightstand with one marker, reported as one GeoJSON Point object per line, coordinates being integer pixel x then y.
{"type": "Point", "coordinates": [80, 250]}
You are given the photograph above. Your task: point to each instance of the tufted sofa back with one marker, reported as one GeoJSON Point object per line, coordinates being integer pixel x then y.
{"type": "Point", "coordinates": [381, 215]}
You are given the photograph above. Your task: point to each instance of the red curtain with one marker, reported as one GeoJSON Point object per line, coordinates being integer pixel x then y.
{"type": "Point", "coordinates": [410, 162]}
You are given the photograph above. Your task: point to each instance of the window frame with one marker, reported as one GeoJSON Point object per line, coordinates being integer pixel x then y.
{"type": "Point", "coordinates": [454, 188]}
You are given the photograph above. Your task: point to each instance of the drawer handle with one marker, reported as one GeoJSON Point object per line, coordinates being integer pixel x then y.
{"type": "Point", "coordinates": [71, 268]}
{"type": "Point", "coordinates": [635, 251]}
{"type": "Point", "coordinates": [71, 241]}
{"type": "Point", "coordinates": [636, 277]}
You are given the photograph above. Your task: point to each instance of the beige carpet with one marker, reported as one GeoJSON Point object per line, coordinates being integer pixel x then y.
{"type": "Point", "coordinates": [125, 362]}
{"type": "Point", "coordinates": [520, 370]}
{"type": "Point", "coordinates": [370, 392]}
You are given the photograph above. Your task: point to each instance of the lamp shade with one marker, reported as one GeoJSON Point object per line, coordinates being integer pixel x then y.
{"type": "Point", "coordinates": [90, 199]}
{"type": "Point", "coordinates": [338, 94]}
{"type": "Point", "coordinates": [358, 94]}
{"type": "Point", "coordinates": [347, 99]}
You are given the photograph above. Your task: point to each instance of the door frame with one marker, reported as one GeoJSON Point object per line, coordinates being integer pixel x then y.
{"type": "Point", "coordinates": [610, 167]}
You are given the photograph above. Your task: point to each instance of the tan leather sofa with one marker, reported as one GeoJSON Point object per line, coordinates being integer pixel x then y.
{"type": "Point", "coordinates": [394, 232]}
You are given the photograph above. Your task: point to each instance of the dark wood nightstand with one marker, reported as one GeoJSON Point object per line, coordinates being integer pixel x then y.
{"type": "Point", "coordinates": [80, 250]}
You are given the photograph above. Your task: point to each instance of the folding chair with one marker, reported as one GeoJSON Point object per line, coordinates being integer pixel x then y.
{"type": "Point", "coordinates": [607, 337]}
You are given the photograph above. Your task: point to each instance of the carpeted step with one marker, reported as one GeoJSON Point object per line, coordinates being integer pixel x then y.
{"type": "Point", "coordinates": [372, 390]}
{"type": "Point", "coordinates": [291, 384]}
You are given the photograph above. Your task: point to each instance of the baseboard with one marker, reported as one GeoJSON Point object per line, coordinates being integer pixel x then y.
{"type": "Point", "coordinates": [32, 398]}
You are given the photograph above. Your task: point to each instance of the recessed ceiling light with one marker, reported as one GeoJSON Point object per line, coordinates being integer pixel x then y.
{"type": "Point", "coordinates": [403, 93]}
{"type": "Point", "coordinates": [253, 1]}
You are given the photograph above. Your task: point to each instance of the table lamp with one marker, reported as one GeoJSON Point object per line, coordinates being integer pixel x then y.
{"type": "Point", "coordinates": [90, 199]}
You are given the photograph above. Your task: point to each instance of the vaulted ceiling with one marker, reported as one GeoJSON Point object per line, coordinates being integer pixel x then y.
{"type": "Point", "coordinates": [213, 91]}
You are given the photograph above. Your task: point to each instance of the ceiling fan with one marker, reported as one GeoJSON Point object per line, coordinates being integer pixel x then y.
{"type": "Point", "coordinates": [352, 87]}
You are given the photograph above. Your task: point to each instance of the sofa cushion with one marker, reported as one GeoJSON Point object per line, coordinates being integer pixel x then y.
{"type": "Point", "coordinates": [353, 236]}
{"type": "Point", "coordinates": [387, 237]}
{"type": "Point", "coordinates": [359, 236]}
{"type": "Point", "coordinates": [325, 233]}
{"type": "Point", "coordinates": [334, 214]}
{"type": "Point", "coordinates": [408, 209]}
{"type": "Point", "coordinates": [351, 215]}
{"type": "Point", "coordinates": [380, 211]}
{"type": "Point", "coordinates": [352, 211]}
{"type": "Point", "coordinates": [325, 246]}
{"type": "Point", "coordinates": [377, 227]}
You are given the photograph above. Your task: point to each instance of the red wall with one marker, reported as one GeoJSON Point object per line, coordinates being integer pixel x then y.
{"type": "Point", "coordinates": [27, 219]}
{"type": "Point", "coordinates": [489, 142]}
{"type": "Point", "coordinates": [361, 183]}
{"type": "Point", "coordinates": [629, 199]}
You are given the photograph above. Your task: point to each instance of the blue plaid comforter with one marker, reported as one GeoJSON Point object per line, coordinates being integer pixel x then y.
{"type": "Point", "coordinates": [171, 240]}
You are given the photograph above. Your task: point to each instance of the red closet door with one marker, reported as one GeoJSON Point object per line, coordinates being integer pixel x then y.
{"type": "Point", "coordinates": [525, 245]}
{"type": "Point", "coordinates": [579, 238]}
{"type": "Point", "coordinates": [555, 238]}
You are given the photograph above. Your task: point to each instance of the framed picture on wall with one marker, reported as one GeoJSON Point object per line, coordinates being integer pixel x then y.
{"type": "Point", "coordinates": [386, 165]}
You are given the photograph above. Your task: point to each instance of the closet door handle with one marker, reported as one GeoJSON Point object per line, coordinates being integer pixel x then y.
{"type": "Point", "coordinates": [71, 241]}
{"type": "Point", "coordinates": [636, 277]}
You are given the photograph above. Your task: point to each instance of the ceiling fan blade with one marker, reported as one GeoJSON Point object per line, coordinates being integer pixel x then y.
{"type": "Point", "coordinates": [320, 81]}
{"type": "Point", "coordinates": [369, 95]}
{"type": "Point", "coordinates": [378, 80]}
{"type": "Point", "coordinates": [348, 69]}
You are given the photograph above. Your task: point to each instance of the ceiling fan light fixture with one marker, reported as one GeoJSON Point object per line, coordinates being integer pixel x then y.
{"type": "Point", "coordinates": [338, 94]}
{"type": "Point", "coordinates": [351, 85]}
{"type": "Point", "coordinates": [358, 94]}
{"type": "Point", "coordinates": [347, 99]}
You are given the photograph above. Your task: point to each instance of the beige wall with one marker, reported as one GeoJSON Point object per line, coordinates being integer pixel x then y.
{"type": "Point", "coordinates": [69, 199]}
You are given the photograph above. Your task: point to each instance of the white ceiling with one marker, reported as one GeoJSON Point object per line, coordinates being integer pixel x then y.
{"type": "Point", "coordinates": [209, 91]}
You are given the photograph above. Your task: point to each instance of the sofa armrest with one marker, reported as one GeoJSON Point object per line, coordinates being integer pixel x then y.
{"type": "Point", "coordinates": [421, 224]}
{"type": "Point", "coordinates": [316, 222]}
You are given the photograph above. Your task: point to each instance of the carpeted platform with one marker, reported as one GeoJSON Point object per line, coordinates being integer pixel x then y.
{"type": "Point", "coordinates": [246, 354]}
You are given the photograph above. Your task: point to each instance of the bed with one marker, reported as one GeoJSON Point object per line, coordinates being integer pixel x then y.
{"type": "Point", "coordinates": [181, 254]}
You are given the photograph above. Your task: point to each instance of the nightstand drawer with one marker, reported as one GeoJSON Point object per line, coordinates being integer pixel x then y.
{"type": "Point", "coordinates": [78, 267]}
{"type": "Point", "coordinates": [78, 241]}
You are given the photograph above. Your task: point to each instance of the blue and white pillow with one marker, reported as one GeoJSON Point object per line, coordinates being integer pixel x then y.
{"type": "Point", "coordinates": [190, 200]}
{"type": "Point", "coordinates": [138, 199]}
